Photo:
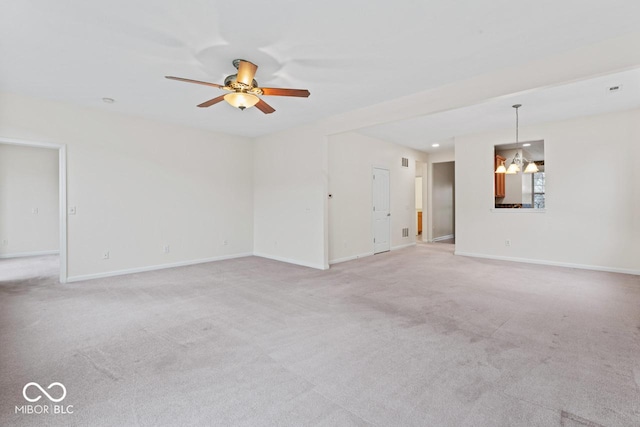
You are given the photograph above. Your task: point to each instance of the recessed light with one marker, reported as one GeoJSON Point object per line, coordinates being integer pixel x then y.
{"type": "Point", "coordinates": [526, 145]}
{"type": "Point", "coordinates": [435, 145]}
{"type": "Point", "coordinates": [108, 100]}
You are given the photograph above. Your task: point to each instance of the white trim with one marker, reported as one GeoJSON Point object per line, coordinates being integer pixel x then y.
{"type": "Point", "coordinates": [447, 237]}
{"type": "Point", "coordinates": [62, 192]}
{"type": "Point", "coordinates": [62, 182]}
{"type": "Point", "coordinates": [395, 248]}
{"type": "Point", "coordinates": [23, 142]}
{"type": "Point", "coordinates": [154, 267]}
{"type": "Point", "coordinates": [552, 263]}
{"type": "Point", "coordinates": [350, 258]}
{"type": "Point", "coordinates": [367, 254]}
{"type": "Point", "coordinates": [28, 254]}
{"type": "Point", "coordinates": [291, 261]}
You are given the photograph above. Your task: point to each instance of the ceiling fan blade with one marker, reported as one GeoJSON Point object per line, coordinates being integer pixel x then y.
{"type": "Point", "coordinates": [194, 81]}
{"type": "Point", "coordinates": [246, 72]}
{"type": "Point", "coordinates": [264, 107]}
{"type": "Point", "coordinates": [210, 102]}
{"type": "Point", "coordinates": [274, 91]}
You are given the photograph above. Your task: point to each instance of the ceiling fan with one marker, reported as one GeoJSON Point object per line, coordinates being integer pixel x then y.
{"type": "Point", "coordinates": [244, 89]}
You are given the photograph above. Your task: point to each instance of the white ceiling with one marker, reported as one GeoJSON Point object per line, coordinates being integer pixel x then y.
{"type": "Point", "coordinates": [350, 53]}
{"type": "Point", "coordinates": [554, 103]}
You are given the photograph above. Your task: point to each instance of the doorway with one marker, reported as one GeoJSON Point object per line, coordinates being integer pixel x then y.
{"type": "Point", "coordinates": [381, 211]}
{"type": "Point", "coordinates": [443, 201]}
{"type": "Point", "coordinates": [34, 211]}
{"type": "Point", "coordinates": [420, 202]}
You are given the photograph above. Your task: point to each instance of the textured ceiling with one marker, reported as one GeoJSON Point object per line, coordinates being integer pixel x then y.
{"type": "Point", "coordinates": [349, 54]}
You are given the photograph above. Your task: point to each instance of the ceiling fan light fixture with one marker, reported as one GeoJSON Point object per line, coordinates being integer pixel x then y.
{"type": "Point", "coordinates": [241, 100]}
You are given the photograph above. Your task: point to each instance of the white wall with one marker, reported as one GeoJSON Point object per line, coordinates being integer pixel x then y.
{"type": "Point", "coordinates": [104, 156]}
{"type": "Point", "coordinates": [139, 185]}
{"type": "Point", "coordinates": [443, 189]}
{"type": "Point", "coordinates": [418, 191]}
{"type": "Point", "coordinates": [290, 192]}
{"type": "Point", "coordinates": [351, 159]}
{"type": "Point", "coordinates": [592, 216]}
{"type": "Point", "coordinates": [28, 201]}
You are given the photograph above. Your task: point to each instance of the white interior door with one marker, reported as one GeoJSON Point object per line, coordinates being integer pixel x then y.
{"type": "Point", "coordinates": [381, 211]}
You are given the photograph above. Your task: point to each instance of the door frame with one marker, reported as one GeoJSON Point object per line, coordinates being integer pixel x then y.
{"type": "Point", "coordinates": [373, 219]}
{"type": "Point", "coordinates": [62, 192]}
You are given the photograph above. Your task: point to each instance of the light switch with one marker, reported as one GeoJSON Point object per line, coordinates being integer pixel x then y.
{"type": "Point", "coordinates": [34, 211]}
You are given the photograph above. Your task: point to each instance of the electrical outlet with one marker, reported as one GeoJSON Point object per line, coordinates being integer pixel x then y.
{"type": "Point", "coordinates": [105, 255]}
{"type": "Point", "coordinates": [225, 243]}
{"type": "Point", "coordinates": [165, 249]}
{"type": "Point", "coordinates": [34, 211]}
{"type": "Point", "coordinates": [507, 242]}
{"type": "Point", "coordinates": [5, 242]}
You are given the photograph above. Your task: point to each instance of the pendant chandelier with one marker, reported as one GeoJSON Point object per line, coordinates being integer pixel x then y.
{"type": "Point", "coordinates": [514, 166]}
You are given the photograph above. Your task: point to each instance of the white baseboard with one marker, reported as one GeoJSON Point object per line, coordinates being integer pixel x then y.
{"type": "Point", "coordinates": [154, 267]}
{"type": "Point", "coordinates": [366, 254]}
{"type": "Point", "coordinates": [552, 263]}
{"type": "Point", "coordinates": [291, 261]}
{"type": "Point", "coordinates": [447, 237]}
{"type": "Point", "coordinates": [27, 254]}
{"type": "Point", "coordinates": [395, 248]}
{"type": "Point", "coordinates": [350, 258]}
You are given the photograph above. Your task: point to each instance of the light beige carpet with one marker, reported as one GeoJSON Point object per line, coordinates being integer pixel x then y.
{"type": "Point", "coordinates": [416, 337]}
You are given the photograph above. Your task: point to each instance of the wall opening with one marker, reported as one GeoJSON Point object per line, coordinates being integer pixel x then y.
{"type": "Point", "coordinates": [420, 201]}
{"type": "Point", "coordinates": [33, 202]}
{"type": "Point", "coordinates": [443, 200]}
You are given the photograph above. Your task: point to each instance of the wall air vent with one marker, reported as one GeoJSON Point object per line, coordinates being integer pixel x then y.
{"type": "Point", "coordinates": [405, 162]}
{"type": "Point", "coordinates": [405, 232]}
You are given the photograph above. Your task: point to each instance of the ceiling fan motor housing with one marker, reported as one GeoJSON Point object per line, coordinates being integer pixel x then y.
{"type": "Point", "coordinates": [232, 82]}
